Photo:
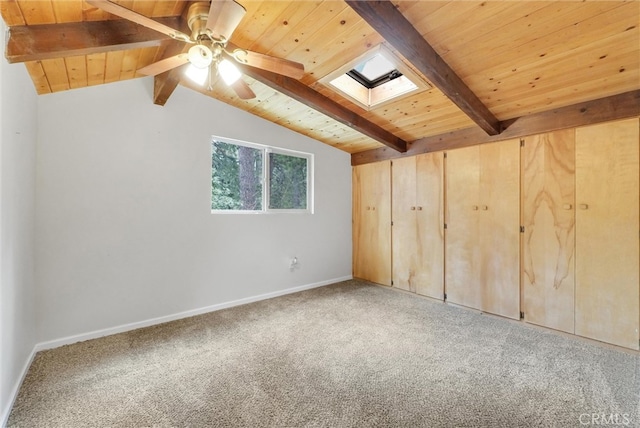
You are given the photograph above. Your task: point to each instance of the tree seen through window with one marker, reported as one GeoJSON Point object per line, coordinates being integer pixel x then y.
{"type": "Point", "coordinates": [239, 176]}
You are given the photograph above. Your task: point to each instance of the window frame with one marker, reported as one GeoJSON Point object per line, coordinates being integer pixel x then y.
{"type": "Point", "coordinates": [266, 179]}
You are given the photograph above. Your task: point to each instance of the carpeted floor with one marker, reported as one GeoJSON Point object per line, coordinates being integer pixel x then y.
{"type": "Point", "coordinates": [345, 355]}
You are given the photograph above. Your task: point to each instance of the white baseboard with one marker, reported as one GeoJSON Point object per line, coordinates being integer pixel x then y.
{"type": "Point", "coordinates": [147, 323]}
{"type": "Point", "coordinates": [4, 417]}
{"type": "Point", "coordinates": [132, 326]}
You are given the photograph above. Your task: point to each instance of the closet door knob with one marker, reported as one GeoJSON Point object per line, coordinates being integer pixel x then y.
{"type": "Point", "coordinates": [584, 206]}
{"type": "Point", "coordinates": [474, 207]}
{"type": "Point", "coordinates": [567, 207]}
{"type": "Point", "coordinates": [484, 208]}
{"type": "Point", "coordinates": [413, 208]}
{"type": "Point", "coordinates": [419, 208]}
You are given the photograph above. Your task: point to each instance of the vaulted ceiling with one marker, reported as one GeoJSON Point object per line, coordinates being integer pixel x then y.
{"type": "Point", "coordinates": [496, 68]}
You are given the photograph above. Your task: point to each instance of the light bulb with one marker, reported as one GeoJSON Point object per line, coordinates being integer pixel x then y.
{"type": "Point", "coordinates": [200, 56]}
{"type": "Point", "coordinates": [198, 75]}
{"type": "Point", "coordinates": [229, 72]}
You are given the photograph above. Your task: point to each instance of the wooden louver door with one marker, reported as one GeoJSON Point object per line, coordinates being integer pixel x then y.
{"type": "Point", "coordinates": [483, 228]}
{"type": "Point", "coordinates": [417, 214]}
{"type": "Point", "coordinates": [372, 222]}
{"type": "Point", "coordinates": [548, 212]}
{"type": "Point", "coordinates": [607, 244]}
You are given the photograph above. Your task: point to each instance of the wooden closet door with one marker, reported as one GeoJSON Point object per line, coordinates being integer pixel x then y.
{"type": "Point", "coordinates": [462, 245]}
{"type": "Point", "coordinates": [500, 228]}
{"type": "Point", "coordinates": [417, 214]}
{"type": "Point", "coordinates": [548, 212]}
{"type": "Point", "coordinates": [406, 257]}
{"type": "Point", "coordinates": [372, 222]}
{"type": "Point", "coordinates": [430, 225]}
{"type": "Point", "coordinates": [607, 247]}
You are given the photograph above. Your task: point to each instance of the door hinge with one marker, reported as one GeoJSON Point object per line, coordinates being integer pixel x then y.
{"type": "Point", "coordinates": [521, 315]}
{"type": "Point", "coordinates": [445, 154]}
{"type": "Point", "coordinates": [445, 296]}
{"type": "Point", "coordinates": [391, 223]}
{"type": "Point", "coordinates": [521, 142]}
{"type": "Point", "coordinates": [521, 229]}
{"type": "Point", "coordinates": [392, 282]}
{"type": "Point", "coordinates": [445, 225]}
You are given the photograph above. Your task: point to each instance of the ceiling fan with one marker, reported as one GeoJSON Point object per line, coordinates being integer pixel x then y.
{"type": "Point", "coordinates": [212, 54]}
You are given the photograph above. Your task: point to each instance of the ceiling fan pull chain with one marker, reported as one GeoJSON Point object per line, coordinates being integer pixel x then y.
{"type": "Point", "coordinates": [214, 76]}
{"type": "Point", "coordinates": [211, 80]}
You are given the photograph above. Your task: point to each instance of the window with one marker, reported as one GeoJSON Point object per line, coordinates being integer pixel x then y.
{"type": "Point", "coordinates": [249, 177]}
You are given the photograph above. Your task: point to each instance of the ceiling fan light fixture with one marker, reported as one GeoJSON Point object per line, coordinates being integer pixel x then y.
{"type": "Point", "coordinates": [229, 72]}
{"type": "Point", "coordinates": [200, 56]}
{"type": "Point", "coordinates": [196, 74]}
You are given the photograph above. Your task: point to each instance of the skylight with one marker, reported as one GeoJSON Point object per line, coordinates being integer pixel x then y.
{"type": "Point", "coordinates": [374, 71]}
{"type": "Point", "coordinates": [374, 78]}
{"type": "Point", "coordinates": [374, 68]}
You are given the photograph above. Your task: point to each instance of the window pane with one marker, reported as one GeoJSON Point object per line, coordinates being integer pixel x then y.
{"type": "Point", "coordinates": [236, 180]}
{"type": "Point", "coordinates": [288, 182]}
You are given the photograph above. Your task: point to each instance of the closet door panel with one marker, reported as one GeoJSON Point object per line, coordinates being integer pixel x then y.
{"type": "Point", "coordinates": [500, 228]}
{"type": "Point", "coordinates": [548, 212]}
{"type": "Point", "coordinates": [406, 254]}
{"type": "Point", "coordinates": [430, 225]}
{"type": "Point", "coordinates": [372, 222]}
{"type": "Point", "coordinates": [361, 203]}
{"type": "Point", "coordinates": [607, 245]}
{"type": "Point", "coordinates": [462, 246]}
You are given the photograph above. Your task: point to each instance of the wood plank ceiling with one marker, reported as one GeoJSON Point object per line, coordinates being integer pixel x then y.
{"type": "Point", "coordinates": [489, 62]}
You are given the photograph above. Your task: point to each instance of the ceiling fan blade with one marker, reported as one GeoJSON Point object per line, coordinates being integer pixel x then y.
{"type": "Point", "coordinates": [132, 16]}
{"type": "Point", "coordinates": [164, 65]}
{"type": "Point", "coordinates": [243, 90]}
{"type": "Point", "coordinates": [266, 62]}
{"type": "Point", "coordinates": [224, 18]}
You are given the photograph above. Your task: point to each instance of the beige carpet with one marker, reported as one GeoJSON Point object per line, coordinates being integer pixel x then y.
{"type": "Point", "coordinates": [346, 355]}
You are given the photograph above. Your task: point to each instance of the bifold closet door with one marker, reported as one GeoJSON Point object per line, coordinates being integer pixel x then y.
{"type": "Point", "coordinates": [372, 222]}
{"type": "Point", "coordinates": [417, 231]}
{"type": "Point", "coordinates": [548, 213]}
{"type": "Point", "coordinates": [482, 242]}
{"type": "Point", "coordinates": [607, 230]}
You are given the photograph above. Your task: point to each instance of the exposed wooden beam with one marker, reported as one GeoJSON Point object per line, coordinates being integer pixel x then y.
{"type": "Point", "coordinates": [165, 83]}
{"type": "Point", "coordinates": [308, 96]}
{"type": "Point", "coordinates": [615, 107]}
{"type": "Point", "coordinates": [389, 22]}
{"type": "Point", "coordinates": [48, 41]}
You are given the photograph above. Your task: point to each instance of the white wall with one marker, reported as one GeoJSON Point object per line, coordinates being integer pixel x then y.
{"type": "Point", "coordinates": [124, 230]}
{"type": "Point", "coordinates": [17, 201]}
